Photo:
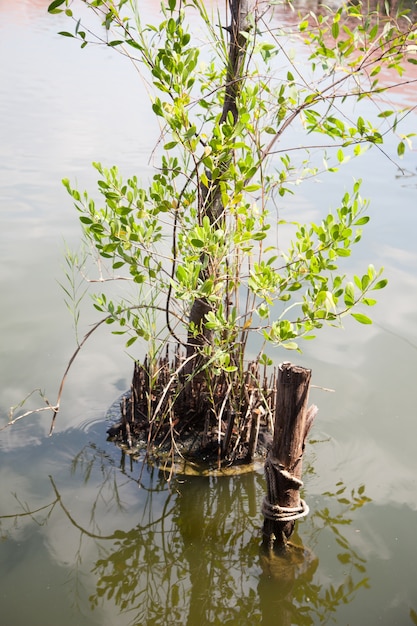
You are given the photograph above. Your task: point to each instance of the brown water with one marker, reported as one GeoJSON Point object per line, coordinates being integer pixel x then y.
{"type": "Point", "coordinates": [111, 543]}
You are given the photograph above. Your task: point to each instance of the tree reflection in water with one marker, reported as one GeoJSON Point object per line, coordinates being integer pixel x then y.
{"type": "Point", "coordinates": [194, 557]}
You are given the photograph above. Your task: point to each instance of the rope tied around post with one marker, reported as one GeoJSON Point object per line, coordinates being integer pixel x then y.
{"type": "Point", "coordinates": [280, 480]}
{"type": "Point", "coordinates": [277, 513]}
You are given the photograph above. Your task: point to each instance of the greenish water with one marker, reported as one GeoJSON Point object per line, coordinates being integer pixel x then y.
{"type": "Point", "coordinates": [88, 537]}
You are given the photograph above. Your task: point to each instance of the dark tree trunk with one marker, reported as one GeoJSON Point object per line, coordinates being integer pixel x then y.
{"type": "Point", "coordinates": [210, 198]}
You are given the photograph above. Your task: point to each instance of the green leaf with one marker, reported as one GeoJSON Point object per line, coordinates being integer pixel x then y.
{"type": "Point", "coordinates": [401, 149]}
{"type": "Point", "coordinates": [182, 274]}
{"type": "Point", "coordinates": [380, 284]}
{"type": "Point", "coordinates": [361, 125]}
{"type": "Point", "coordinates": [365, 282]}
{"type": "Point", "coordinates": [374, 31]}
{"type": "Point", "coordinates": [266, 360]}
{"type": "Point", "coordinates": [133, 43]}
{"type": "Point", "coordinates": [361, 221]}
{"type": "Point", "coordinates": [385, 113]}
{"type": "Point", "coordinates": [290, 345]}
{"type": "Point", "coordinates": [53, 7]}
{"type": "Point", "coordinates": [157, 108]}
{"type": "Point", "coordinates": [349, 296]}
{"type": "Point", "coordinates": [342, 252]}
{"type": "Point", "coordinates": [65, 33]}
{"type": "Point", "coordinates": [362, 319]}
{"type": "Point", "coordinates": [207, 287]}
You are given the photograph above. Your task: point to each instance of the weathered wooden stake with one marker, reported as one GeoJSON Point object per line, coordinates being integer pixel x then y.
{"type": "Point", "coordinates": [283, 466]}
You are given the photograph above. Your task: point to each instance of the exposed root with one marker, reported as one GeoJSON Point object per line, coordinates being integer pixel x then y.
{"type": "Point", "coordinates": [221, 421]}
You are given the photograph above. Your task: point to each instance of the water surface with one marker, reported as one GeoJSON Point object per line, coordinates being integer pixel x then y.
{"type": "Point", "coordinates": [111, 542]}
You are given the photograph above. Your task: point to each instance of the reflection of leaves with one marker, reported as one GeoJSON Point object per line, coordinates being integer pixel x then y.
{"type": "Point", "coordinates": [413, 616]}
{"type": "Point", "coordinates": [190, 562]}
{"type": "Point", "coordinates": [356, 500]}
{"type": "Point", "coordinates": [136, 572]}
{"type": "Point", "coordinates": [194, 555]}
{"type": "Point", "coordinates": [329, 598]}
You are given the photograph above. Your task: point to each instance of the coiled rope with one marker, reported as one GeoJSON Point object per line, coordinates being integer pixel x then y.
{"type": "Point", "coordinates": [283, 514]}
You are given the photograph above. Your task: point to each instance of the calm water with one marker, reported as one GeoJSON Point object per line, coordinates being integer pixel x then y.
{"type": "Point", "coordinates": [87, 537]}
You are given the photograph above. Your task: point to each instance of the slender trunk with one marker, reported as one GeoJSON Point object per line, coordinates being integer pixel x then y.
{"type": "Point", "coordinates": [210, 198]}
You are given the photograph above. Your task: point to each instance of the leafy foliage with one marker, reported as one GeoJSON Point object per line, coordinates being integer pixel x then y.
{"type": "Point", "coordinates": [170, 238]}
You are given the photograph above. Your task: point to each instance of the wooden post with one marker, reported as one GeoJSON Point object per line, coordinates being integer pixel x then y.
{"type": "Point", "coordinates": [283, 466]}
